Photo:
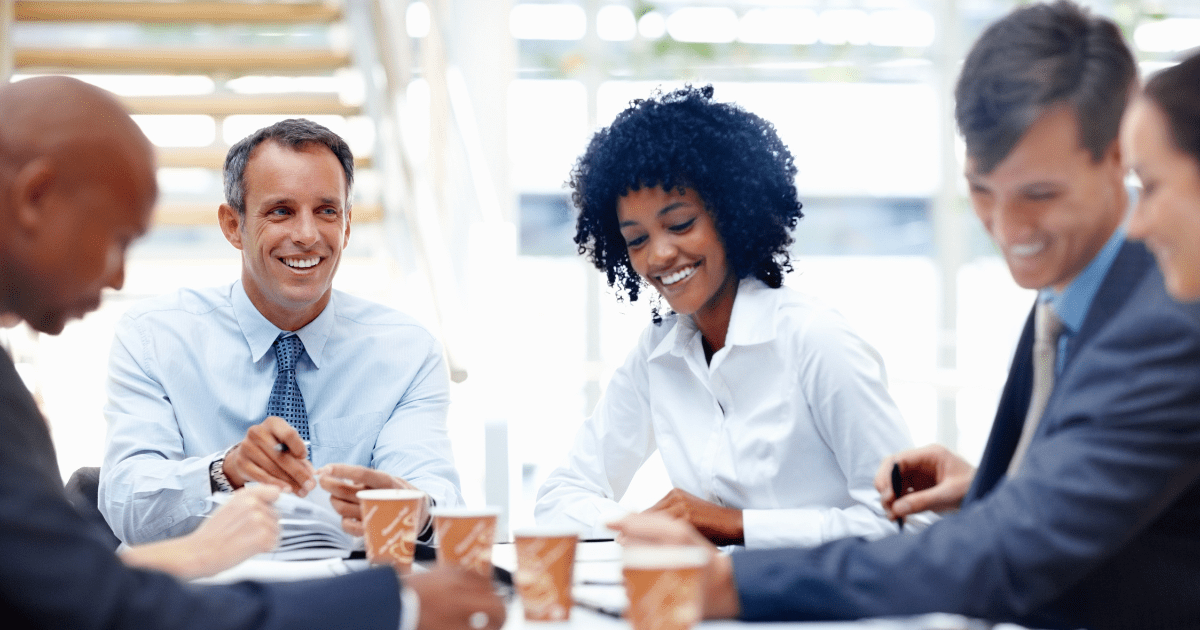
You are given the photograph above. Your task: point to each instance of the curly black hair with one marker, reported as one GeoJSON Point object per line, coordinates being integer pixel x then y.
{"type": "Point", "coordinates": [730, 157]}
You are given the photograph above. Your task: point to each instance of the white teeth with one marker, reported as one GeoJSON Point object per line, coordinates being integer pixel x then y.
{"type": "Point", "coordinates": [678, 275]}
{"type": "Point", "coordinates": [1026, 250]}
{"type": "Point", "coordinates": [303, 263]}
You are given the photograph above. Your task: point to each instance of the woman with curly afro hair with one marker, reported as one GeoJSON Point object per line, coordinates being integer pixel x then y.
{"type": "Point", "coordinates": [770, 414]}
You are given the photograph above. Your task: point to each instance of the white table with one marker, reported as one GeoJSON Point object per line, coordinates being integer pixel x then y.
{"type": "Point", "coordinates": [597, 580]}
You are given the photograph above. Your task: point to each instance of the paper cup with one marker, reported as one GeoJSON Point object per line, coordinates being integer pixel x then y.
{"type": "Point", "coordinates": [545, 567]}
{"type": "Point", "coordinates": [390, 524]}
{"type": "Point", "coordinates": [465, 537]}
{"type": "Point", "coordinates": [664, 586]}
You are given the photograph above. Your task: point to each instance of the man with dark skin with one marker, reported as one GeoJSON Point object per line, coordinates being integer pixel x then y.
{"type": "Point", "coordinates": [77, 186]}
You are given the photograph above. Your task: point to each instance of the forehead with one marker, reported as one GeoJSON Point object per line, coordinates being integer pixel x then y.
{"type": "Point", "coordinates": [1051, 147]}
{"type": "Point", "coordinates": [310, 169]}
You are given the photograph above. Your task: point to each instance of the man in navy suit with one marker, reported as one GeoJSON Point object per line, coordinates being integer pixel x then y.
{"type": "Point", "coordinates": [1095, 520]}
{"type": "Point", "coordinates": [77, 186]}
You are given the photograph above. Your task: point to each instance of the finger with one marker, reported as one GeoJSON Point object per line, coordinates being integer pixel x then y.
{"type": "Point", "coordinates": [263, 493]}
{"type": "Point", "coordinates": [367, 477]}
{"type": "Point", "coordinates": [282, 466]}
{"type": "Point", "coordinates": [287, 435]}
{"type": "Point", "coordinates": [352, 526]}
{"type": "Point", "coordinates": [939, 497]}
{"type": "Point", "coordinates": [341, 488]}
{"type": "Point", "coordinates": [252, 471]}
{"type": "Point", "coordinates": [883, 481]}
{"type": "Point", "coordinates": [345, 508]}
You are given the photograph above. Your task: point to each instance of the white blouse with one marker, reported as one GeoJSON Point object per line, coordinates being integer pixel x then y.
{"type": "Point", "coordinates": [788, 423]}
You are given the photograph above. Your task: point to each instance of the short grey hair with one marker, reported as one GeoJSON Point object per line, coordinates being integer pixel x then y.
{"type": "Point", "coordinates": [293, 133]}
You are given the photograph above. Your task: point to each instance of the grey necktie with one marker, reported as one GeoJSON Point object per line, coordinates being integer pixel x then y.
{"type": "Point", "coordinates": [1046, 329]}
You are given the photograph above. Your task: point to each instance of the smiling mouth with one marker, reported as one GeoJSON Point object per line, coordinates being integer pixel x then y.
{"type": "Point", "coordinates": [301, 263]}
{"type": "Point", "coordinates": [678, 276]}
{"type": "Point", "coordinates": [1024, 250]}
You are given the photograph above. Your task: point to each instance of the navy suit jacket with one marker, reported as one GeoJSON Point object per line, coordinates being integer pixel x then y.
{"type": "Point", "coordinates": [55, 573]}
{"type": "Point", "coordinates": [1101, 526]}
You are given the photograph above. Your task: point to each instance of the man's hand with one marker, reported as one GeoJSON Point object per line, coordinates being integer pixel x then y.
{"type": "Point", "coordinates": [450, 596]}
{"type": "Point", "coordinates": [258, 458]}
{"type": "Point", "coordinates": [343, 481]}
{"type": "Point", "coordinates": [720, 590]}
{"type": "Point", "coordinates": [721, 525]}
{"type": "Point", "coordinates": [245, 526]}
{"type": "Point", "coordinates": [934, 479]}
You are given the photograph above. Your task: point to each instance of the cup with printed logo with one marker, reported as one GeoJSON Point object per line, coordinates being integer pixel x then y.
{"type": "Point", "coordinates": [545, 568]}
{"type": "Point", "coordinates": [391, 520]}
{"type": "Point", "coordinates": [465, 537]}
{"type": "Point", "coordinates": [664, 585]}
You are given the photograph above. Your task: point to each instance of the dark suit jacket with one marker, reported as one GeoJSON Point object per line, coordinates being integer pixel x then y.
{"type": "Point", "coordinates": [1101, 527]}
{"type": "Point", "coordinates": [54, 573]}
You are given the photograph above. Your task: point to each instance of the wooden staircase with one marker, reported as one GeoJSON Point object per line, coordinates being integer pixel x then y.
{"type": "Point", "coordinates": [222, 64]}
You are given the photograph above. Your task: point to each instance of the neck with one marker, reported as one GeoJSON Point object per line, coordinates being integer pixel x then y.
{"type": "Point", "coordinates": [713, 318]}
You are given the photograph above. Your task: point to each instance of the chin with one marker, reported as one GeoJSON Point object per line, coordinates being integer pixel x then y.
{"type": "Point", "coordinates": [1184, 289]}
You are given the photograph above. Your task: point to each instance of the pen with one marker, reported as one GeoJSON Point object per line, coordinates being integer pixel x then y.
{"type": "Point", "coordinates": [897, 489]}
{"type": "Point", "coordinates": [280, 447]}
{"type": "Point", "coordinates": [603, 610]}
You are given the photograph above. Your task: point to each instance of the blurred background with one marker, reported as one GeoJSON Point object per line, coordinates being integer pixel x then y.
{"type": "Point", "coordinates": [466, 117]}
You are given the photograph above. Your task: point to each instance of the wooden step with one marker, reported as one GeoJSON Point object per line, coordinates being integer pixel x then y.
{"type": "Point", "coordinates": [239, 61]}
{"type": "Point", "coordinates": [303, 104]}
{"type": "Point", "coordinates": [176, 12]}
{"type": "Point", "coordinates": [200, 214]}
{"type": "Point", "coordinates": [214, 158]}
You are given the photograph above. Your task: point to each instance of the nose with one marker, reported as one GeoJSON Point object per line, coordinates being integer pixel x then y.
{"type": "Point", "coordinates": [1007, 223]}
{"type": "Point", "coordinates": [304, 229]}
{"type": "Point", "coordinates": [662, 252]}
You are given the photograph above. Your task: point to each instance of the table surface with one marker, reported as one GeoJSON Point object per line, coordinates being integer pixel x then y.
{"type": "Point", "coordinates": [597, 580]}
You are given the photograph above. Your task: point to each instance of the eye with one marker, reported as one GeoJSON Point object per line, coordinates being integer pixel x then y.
{"type": "Point", "coordinates": [634, 242]}
{"type": "Point", "coordinates": [1041, 194]}
{"type": "Point", "coordinates": [683, 227]}
{"type": "Point", "coordinates": [278, 211]}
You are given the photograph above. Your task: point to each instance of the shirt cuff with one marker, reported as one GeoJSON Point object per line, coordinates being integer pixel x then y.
{"type": "Point", "coordinates": [410, 608]}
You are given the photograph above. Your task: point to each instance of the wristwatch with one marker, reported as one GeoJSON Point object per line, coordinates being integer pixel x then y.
{"type": "Point", "coordinates": [217, 480]}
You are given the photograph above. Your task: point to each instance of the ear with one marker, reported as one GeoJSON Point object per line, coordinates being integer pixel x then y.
{"type": "Point", "coordinates": [231, 224]}
{"type": "Point", "coordinates": [30, 193]}
{"type": "Point", "coordinates": [346, 238]}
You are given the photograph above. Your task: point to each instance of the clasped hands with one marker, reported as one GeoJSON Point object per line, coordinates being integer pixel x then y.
{"type": "Point", "coordinates": [259, 457]}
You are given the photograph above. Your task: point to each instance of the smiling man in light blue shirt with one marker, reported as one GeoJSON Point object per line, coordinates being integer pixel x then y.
{"type": "Point", "coordinates": [191, 373]}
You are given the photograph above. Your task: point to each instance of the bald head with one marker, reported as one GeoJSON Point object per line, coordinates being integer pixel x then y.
{"type": "Point", "coordinates": [77, 185]}
{"type": "Point", "coordinates": [54, 117]}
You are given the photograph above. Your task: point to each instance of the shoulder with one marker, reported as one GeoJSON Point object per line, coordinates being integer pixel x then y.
{"type": "Point", "coordinates": [358, 315]}
{"type": "Point", "coordinates": [802, 316]}
{"type": "Point", "coordinates": [182, 302]}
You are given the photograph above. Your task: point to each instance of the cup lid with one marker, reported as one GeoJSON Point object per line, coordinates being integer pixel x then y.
{"type": "Point", "coordinates": [378, 494]}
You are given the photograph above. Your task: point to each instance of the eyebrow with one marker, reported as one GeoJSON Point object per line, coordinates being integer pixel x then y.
{"type": "Point", "coordinates": [665, 209]}
{"type": "Point", "coordinates": [287, 201]}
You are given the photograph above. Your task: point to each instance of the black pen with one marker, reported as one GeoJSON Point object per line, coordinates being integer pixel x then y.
{"type": "Point", "coordinates": [280, 447]}
{"type": "Point", "coordinates": [603, 610]}
{"type": "Point", "coordinates": [897, 489]}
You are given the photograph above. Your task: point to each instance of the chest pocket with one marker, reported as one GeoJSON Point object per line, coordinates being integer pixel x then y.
{"type": "Point", "coordinates": [347, 431]}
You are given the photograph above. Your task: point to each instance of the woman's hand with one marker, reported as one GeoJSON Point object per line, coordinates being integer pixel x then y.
{"type": "Point", "coordinates": [721, 525]}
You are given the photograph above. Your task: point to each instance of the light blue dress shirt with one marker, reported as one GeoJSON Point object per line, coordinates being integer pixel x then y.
{"type": "Point", "coordinates": [190, 372]}
{"type": "Point", "coordinates": [1072, 303]}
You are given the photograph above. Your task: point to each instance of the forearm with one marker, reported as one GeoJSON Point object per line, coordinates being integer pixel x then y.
{"type": "Point", "coordinates": [175, 556]}
{"type": "Point", "coordinates": [145, 499]}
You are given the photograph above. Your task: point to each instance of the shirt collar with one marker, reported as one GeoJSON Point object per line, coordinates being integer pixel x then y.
{"type": "Point", "coordinates": [260, 333]}
{"type": "Point", "coordinates": [751, 321]}
{"type": "Point", "coordinates": [1072, 303]}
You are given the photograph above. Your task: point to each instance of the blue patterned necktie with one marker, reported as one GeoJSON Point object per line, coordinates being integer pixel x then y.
{"type": "Point", "coordinates": [286, 400]}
